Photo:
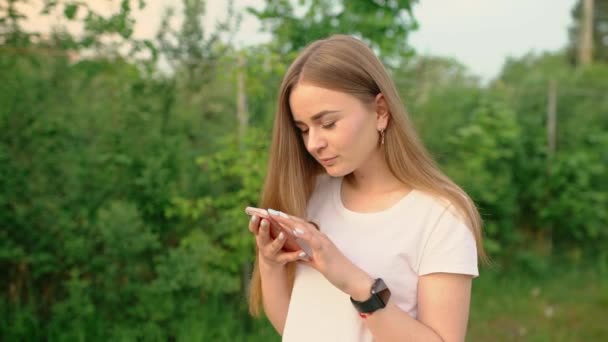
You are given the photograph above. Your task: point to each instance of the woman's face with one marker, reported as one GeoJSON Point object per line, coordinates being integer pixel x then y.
{"type": "Point", "coordinates": [338, 130]}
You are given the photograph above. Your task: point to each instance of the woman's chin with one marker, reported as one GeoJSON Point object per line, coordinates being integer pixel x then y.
{"type": "Point", "coordinates": [336, 171]}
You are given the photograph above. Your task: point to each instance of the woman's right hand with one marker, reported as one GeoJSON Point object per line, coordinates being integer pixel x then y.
{"type": "Point", "coordinates": [271, 250]}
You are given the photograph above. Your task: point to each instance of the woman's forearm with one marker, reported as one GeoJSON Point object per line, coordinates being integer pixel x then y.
{"type": "Point", "coordinates": [275, 293]}
{"type": "Point", "coordinates": [394, 324]}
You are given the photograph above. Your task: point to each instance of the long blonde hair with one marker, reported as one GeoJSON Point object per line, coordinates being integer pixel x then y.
{"type": "Point", "coordinates": [345, 64]}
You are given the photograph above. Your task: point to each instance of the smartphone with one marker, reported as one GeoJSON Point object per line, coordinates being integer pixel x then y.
{"type": "Point", "coordinates": [276, 228]}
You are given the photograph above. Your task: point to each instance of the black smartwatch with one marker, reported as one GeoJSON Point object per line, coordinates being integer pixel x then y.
{"type": "Point", "coordinates": [378, 300]}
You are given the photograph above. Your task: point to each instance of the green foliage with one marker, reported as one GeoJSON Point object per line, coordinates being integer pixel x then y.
{"type": "Point", "coordinates": [563, 192]}
{"type": "Point", "coordinates": [237, 175]}
{"type": "Point", "coordinates": [264, 71]}
{"type": "Point", "coordinates": [482, 162]}
{"type": "Point", "coordinates": [440, 96]}
{"type": "Point", "coordinates": [95, 160]}
{"type": "Point", "coordinates": [599, 31]}
{"type": "Point", "coordinates": [385, 25]}
{"type": "Point", "coordinates": [578, 199]}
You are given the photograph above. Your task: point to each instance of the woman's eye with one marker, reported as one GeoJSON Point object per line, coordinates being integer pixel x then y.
{"type": "Point", "coordinates": [329, 125]}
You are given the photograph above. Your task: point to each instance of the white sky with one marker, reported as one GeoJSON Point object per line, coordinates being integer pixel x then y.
{"type": "Point", "coordinates": [482, 33]}
{"type": "Point", "coordinates": [479, 33]}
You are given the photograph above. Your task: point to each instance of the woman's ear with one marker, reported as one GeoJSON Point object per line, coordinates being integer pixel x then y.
{"type": "Point", "coordinates": [382, 112]}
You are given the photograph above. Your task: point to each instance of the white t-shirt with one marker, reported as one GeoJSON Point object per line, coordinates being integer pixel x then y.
{"type": "Point", "coordinates": [416, 236]}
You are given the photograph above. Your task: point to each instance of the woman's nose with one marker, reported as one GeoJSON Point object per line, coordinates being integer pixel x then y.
{"type": "Point", "coordinates": [315, 141]}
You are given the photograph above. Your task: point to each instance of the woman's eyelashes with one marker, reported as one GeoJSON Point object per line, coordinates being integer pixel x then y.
{"type": "Point", "coordinates": [329, 125]}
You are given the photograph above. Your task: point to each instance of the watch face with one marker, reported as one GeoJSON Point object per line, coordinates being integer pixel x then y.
{"type": "Point", "coordinates": [379, 297]}
{"type": "Point", "coordinates": [381, 290]}
{"type": "Point", "coordinates": [378, 286]}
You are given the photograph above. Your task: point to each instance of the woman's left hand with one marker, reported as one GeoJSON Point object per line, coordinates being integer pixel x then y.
{"type": "Point", "coordinates": [326, 257]}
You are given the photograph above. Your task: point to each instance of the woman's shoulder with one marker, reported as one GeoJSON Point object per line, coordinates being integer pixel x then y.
{"type": "Point", "coordinates": [428, 203]}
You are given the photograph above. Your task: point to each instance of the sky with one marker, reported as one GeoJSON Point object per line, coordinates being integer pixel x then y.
{"type": "Point", "coordinates": [481, 34]}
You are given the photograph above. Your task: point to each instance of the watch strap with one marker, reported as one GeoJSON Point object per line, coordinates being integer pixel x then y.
{"type": "Point", "coordinates": [372, 304]}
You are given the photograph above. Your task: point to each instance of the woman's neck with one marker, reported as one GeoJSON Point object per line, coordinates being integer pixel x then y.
{"type": "Point", "coordinates": [374, 177]}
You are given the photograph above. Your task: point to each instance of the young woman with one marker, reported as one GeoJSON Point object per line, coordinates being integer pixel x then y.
{"type": "Point", "coordinates": [394, 243]}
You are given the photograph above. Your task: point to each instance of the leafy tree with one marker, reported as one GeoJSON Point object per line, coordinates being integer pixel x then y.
{"type": "Point", "coordinates": [600, 30]}
{"type": "Point", "coordinates": [571, 176]}
{"type": "Point", "coordinates": [96, 28]}
{"type": "Point", "coordinates": [198, 60]}
{"type": "Point", "coordinates": [383, 24]}
{"type": "Point", "coordinates": [482, 162]}
{"type": "Point", "coordinates": [91, 171]}
{"type": "Point", "coordinates": [440, 94]}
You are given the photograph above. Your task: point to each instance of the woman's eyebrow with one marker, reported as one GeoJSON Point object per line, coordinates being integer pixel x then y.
{"type": "Point", "coordinates": [319, 115]}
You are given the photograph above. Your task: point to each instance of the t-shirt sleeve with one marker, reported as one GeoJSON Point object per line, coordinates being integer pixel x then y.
{"type": "Point", "coordinates": [449, 248]}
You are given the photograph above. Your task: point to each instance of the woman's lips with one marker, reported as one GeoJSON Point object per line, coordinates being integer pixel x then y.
{"type": "Point", "coordinates": [328, 161]}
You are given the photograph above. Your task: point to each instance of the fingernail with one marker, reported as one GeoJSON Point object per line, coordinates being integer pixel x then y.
{"type": "Point", "coordinates": [273, 212]}
{"type": "Point", "coordinates": [254, 218]}
{"type": "Point", "coordinates": [281, 236]}
{"type": "Point", "coordinates": [282, 214]}
{"type": "Point", "coordinates": [302, 254]}
{"type": "Point", "coordinates": [264, 223]}
{"type": "Point", "coordinates": [298, 231]}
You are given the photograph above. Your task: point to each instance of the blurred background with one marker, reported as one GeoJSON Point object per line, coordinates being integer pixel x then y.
{"type": "Point", "coordinates": [133, 133]}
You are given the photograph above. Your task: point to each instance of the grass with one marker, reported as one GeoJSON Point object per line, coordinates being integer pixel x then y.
{"type": "Point", "coordinates": [568, 304]}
